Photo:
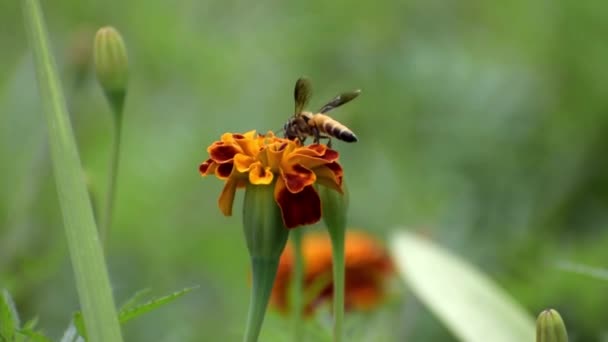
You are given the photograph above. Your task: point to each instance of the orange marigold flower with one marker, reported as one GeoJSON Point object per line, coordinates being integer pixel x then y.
{"type": "Point", "coordinates": [266, 160]}
{"type": "Point", "coordinates": [367, 267]}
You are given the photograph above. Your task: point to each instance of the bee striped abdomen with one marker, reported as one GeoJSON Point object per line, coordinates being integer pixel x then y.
{"type": "Point", "coordinates": [333, 128]}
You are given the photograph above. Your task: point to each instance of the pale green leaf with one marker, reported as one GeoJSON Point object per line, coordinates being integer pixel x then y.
{"type": "Point", "coordinates": [71, 334]}
{"type": "Point", "coordinates": [465, 300]}
{"type": "Point", "coordinates": [593, 272]}
{"type": "Point", "coordinates": [136, 311]}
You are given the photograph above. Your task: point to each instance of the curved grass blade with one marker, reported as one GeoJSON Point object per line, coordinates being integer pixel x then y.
{"type": "Point", "coordinates": [92, 280]}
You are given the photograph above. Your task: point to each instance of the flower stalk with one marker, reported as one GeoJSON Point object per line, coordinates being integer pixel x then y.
{"type": "Point", "coordinates": [266, 238]}
{"type": "Point", "coordinates": [335, 206]}
{"type": "Point", "coordinates": [298, 284]}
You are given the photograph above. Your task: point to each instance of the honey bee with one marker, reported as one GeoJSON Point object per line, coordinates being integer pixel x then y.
{"type": "Point", "coordinates": [317, 125]}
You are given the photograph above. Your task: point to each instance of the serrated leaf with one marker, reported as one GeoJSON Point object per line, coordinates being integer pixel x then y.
{"type": "Point", "coordinates": [34, 336]}
{"type": "Point", "coordinates": [9, 318]}
{"type": "Point", "coordinates": [464, 299]}
{"type": "Point", "coordinates": [136, 311]}
{"type": "Point", "coordinates": [132, 302]}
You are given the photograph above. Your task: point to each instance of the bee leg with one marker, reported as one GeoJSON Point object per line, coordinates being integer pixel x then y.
{"type": "Point", "coordinates": [316, 135]}
{"type": "Point", "coordinates": [325, 137]}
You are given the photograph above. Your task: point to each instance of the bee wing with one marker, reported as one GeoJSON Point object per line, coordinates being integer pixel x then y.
{"type": "Point", "coordinates": [301, 94]}
{"type": "Point", "coordinates": [340, 100]}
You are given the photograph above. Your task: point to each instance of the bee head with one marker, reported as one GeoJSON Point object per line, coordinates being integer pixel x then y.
{"type": "Point", "coordinates": [289, 129]}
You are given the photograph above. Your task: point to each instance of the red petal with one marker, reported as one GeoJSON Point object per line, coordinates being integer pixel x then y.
{"type": "Point", "coordinates": [330, 175]}
{"type": "Point", "coordinates": [299, 209]}
{"type": "Point", "coordinates": [223, 171]}
{"type": "Point", "coordinates": [204, 167]}
{"type": "Point", "coordinates": [222, 153]}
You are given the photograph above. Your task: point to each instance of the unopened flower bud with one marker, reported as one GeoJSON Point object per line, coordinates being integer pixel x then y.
{"type": "Point", "coordinates": [266, 237]}
{"type": "Point", "coordinates": [335, 207]}
{"type": "Point", "coordinates": [550, 327]}
{"type": "Point", "coordinates": [111, 65]}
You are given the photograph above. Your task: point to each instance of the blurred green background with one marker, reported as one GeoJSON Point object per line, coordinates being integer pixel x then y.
{"type": "Point", "coordinates": [484, 124]}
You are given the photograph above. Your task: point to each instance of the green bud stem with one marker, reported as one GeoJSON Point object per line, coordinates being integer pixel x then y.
{"type": "Point", "coordinates": [335, 206]}
{"type": "Point", "coordinates": [266, 238]}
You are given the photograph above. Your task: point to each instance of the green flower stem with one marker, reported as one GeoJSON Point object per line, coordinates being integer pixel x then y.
{"type": "Point", "coordinates": [298, 283]}
{"type": "Point", "coordinates": [337, 243]}
{"type": "Point", "coordinates": [106, 219]}
{"type": "Point", "coordinates": [92, 280]}
{"type": "Point", "coordinates": [264, 272]}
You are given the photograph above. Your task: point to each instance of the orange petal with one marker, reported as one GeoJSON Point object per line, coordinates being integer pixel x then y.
{"type": "Point", "coordinates": [260, 174]}
{"type": "Point", "coordinates": [227, 197]}
{"type": "Point", "coordinates": [250, 146]}
{"type": "Point", "coordinates": [297, 178]}
{"type": "Point", "coordinates": [274, 155]}
{"type": "Point", "coordinates": [243, 162]}
{"type": "Point", "coordinates": [362, 294]}
{"type": "Point", "coordinates": [297, 209]}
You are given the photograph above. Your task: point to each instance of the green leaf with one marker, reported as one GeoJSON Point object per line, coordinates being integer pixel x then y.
{"type": "Point", "coordinates": [79, 324]}
{"type": "Point", "coordinates": [465, 300]}
{"type": "Point", "coordinates": [9, 318]}
{"type": "Point", "coordinates": [91, 274]}
{"type": "Point", "coordinates": [136, 311]}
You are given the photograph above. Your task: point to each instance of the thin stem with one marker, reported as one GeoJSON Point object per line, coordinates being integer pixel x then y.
{"type": "Point", "coordinates": [338, 270]}
{"type": "Point", "coordinates": [90, 272]}
{"type": "Point", "coordinates": [264, 271]}
{"type": "Point", "coordinates": [106, 220]}
{"type": "Point", "coordinates": [298, 284]}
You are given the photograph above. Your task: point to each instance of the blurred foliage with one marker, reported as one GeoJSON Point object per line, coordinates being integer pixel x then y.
{"type": "Point", "coordinates": [484, 124]}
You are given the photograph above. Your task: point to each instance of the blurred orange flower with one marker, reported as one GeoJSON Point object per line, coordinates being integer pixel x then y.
{"type": "Point", "coordinates": [367, 267]}
{"type": "Point", "coordinates": [260, 159]}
